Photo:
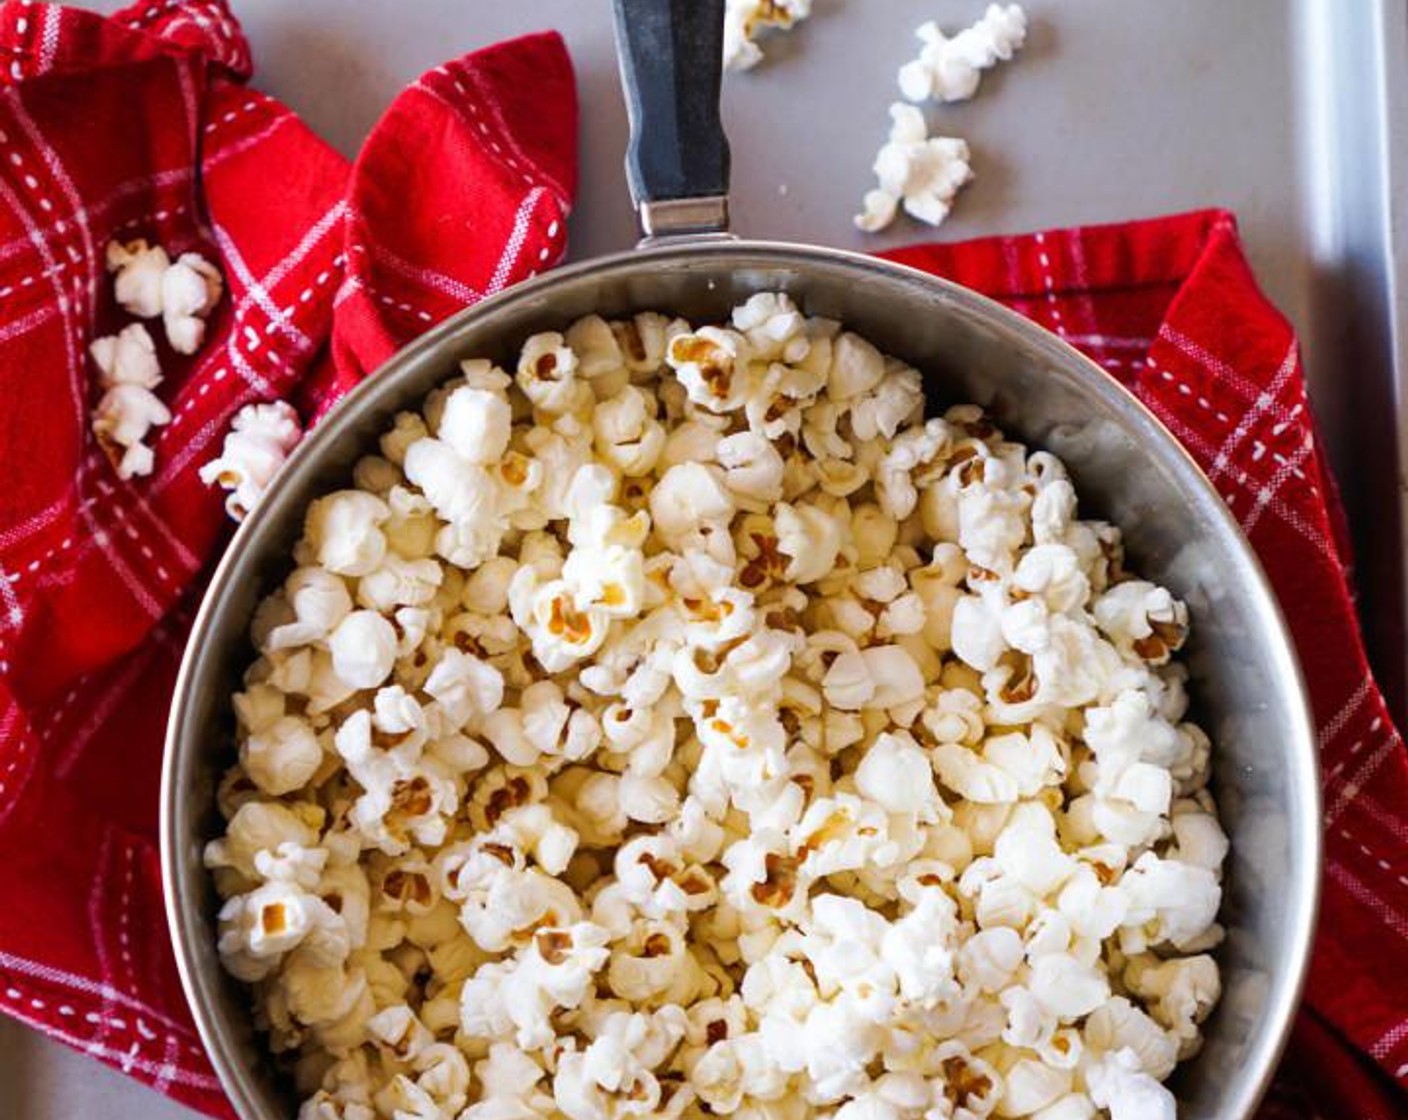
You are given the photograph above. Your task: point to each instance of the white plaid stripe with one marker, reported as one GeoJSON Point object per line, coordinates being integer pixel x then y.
{"type": "Point", "coordinates": [1340, 720]}
{"type": "Point", "coordinates": [1279, 478]}
{"type": "Point", "coordinates": [1361, 893]}
{"type": "Point", "coordinates": [93, 989]}
{"type": "Point", "coordinates": [1262, 405]}
{"type": "Point", "coordinates": [103, 539]}
{"type": "Point", "coordinates": [1194, 441]}
{"type": "Point", "coordinates": [514, 245]}
{"type": "Point", "coordinates": [517, 158]}
{"type": "Point", "coordinates": [1390, 1040]}
{"type": "Point", "coordinates": [244, 144]}
{"type": "Point", "coordinates": [1221, 370]}
{"type": "Point", "coordinates": [26, 323]}
{"type": "Point", "coordinates": [256, 294]}
{"type": "Point", "coordinates": [1350, 789]}
{"type": "Point", "coordinates": [427, 278]}
{"type": "Point", "coordinates": [125, 1058]}
{"type": "Point", "coordinates": [118, 195]}
{"type": "Point", "coordinates": [73, 363]}
{"type": "Point", "coordinates": [77, 214]}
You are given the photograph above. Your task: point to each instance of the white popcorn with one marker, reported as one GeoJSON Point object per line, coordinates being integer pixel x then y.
{"type": "Point", "coordinates": [688, 496]}
{"type": "Point", "coordinates": [745, 19]}
{"type": "Point", "coordinates": [547, 374]}
{"type": "Point", "coordinates": [190, 289]}
{"type": "Point", "coordinates": [896, 774]}
{"type": "Point", "coordinates": [1066, 987]}
{"type": "Point", "coordinates": [465, 687]}
{"type": "Point", "coordinates": [283, 757]}
{"type": "Point", "coordinates": [1181, 991]}
{"type": "Point", "coordinates": [921, 173]}
{"type": "Point", "coordinates": [124, 416]}
{"type": "Point", "coordinates": [342, 532]}
{"type": "Point", "coordinates": [126, 358]}
{"type": "Point", "coordinates": [626, 435]}
{"type": "Point", "coordinates": [260, 438]}
{"type": "Point", "coordinates": [752, 467]}
{"type": "Point", "coordinates": [810, 538]}
{"type": "Point", "coordinates": [476, 424]}
{"type": "Point", "coordinates": [138, 269]}
{"type": "Point", "coordinates": [949, 69]}
{"type": "Point", "coordinates": [1119, 1025]}
{"type": "Point", "coordinates": [737, 740]}
{"type": "Point", "coordinates": [363, 648]}
{"type": "Point", "coordinates": [1116, 1082]}
{"type": "Point", "coordinates": [712, 367]}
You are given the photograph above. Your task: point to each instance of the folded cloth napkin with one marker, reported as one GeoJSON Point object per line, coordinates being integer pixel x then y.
{"type": "Point", "coordinates": [140, 125]}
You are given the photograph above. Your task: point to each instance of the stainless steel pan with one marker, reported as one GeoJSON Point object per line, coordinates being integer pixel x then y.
{"type": "Point", "coordinates": [1245, 680]}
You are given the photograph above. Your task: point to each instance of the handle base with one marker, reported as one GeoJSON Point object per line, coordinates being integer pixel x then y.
{"type": "Point", "coordinates": [666, 218]}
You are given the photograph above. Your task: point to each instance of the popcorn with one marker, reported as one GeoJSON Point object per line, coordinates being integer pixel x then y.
{"type": "Point", "coordinates": [744, 19]}
{"type": "Point", "coordinates": [752, 467]}
{"type": "Point", "coordinates": [124, 416]}
{"type": "Point", "coordinates": [547, 374]}
{"type": "Point", "coordinates": [476, 424]}
{"type": "Point", "coordinates": [950, 69]}
{"type": "Point", "coordinates": [830, 751]}
{"type": "Point", "coordinates": [810, 538]}
{"type": "Point", "coordinates": [283, 757]}
{"type": "Point", "coordinates": [190, 289]}
{"type": "Point", "coordinates": [1142, 620]}
{"type": "Point", "coordinates": [1182, 992]}
{"type": "Point", "coordinates": [138, 269]}
{"type": "Point", "coordinates": [626, 434]}
{"type": "Point", "coordinates": [1116, 1082]}
{"type": "Point", "coordinates": [1067, 988]}
{"type": "Point", "coordinates": [923, 173]}
{"type": "Point", "coordinates": [126, 358]}
{"type": "Point", "coordinates": [363, 648]}
{"type": "Point", "coordinates": [342, 532]}
{"type": "Point", "coordinates": [711, 365]}
{"type": "Point", "coordinates": [1119, 1025]}
{"type": "Point", "coordinates": [896, 775]}
{"type": "Point", "coordinates": [260, 438]}
{"type": "Point", "coordinates": [464, 687]}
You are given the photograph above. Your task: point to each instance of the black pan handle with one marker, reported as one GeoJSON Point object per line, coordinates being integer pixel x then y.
{"type": "Point", "coordinates": [677, 162]}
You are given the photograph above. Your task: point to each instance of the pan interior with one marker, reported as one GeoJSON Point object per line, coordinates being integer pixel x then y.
{"type": "Point", "coordinates": [1127, 469]}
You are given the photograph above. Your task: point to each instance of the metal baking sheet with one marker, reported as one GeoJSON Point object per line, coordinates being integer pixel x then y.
{"type": "Point", "coordinates": [1291, 113]}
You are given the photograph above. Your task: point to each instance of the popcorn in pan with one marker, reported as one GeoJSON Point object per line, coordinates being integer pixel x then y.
{"type": "Point", "coordinates": [687, 722]}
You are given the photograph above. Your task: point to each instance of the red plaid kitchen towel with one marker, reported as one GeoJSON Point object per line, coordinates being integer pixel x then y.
{"type": "Point", "coordinates": [141, 125]}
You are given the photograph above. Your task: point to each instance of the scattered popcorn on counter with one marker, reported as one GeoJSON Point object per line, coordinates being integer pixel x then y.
{"type": "Point", "coordinates": [745, 20]}
{"type": "Point", "coordinates": [949, 69]}
{"type": "Point", "coordinates": [920, 172]}
{"type": "Point", "coordinates": [686, 725]}
{"type": "Point", "coordinates": [260, 438]}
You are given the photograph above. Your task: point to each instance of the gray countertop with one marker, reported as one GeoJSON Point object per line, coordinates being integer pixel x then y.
{"type": "Point", "coordinates": [1116, 109]}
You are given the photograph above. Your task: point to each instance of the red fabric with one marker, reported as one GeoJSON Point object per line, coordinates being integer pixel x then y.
{"type": "Point", "coordinates": [140, 125]}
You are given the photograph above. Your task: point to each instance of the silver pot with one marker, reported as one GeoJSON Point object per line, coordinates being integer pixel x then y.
{"type": "Point", "coordinates": [1245, 680]}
